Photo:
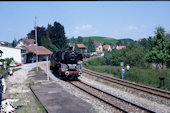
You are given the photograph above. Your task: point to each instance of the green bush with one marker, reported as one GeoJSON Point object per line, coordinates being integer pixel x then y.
{"type": "Point", "coordinates": [146, 76]}
{"type": "Point", "coordinates": [8, 60]}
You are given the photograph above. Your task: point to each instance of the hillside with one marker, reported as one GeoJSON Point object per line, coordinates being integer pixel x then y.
{"type": "Point", "coordinates": [127, 40]}
{"type": "Point", "coordinates": [98, 39]}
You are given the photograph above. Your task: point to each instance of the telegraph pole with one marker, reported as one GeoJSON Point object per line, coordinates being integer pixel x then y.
{"type": "Point", "coordinates": [36, 43]}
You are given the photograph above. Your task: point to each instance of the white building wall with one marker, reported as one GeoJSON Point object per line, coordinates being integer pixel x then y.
{"type": "Point", "coordinates": [9, 52]}
{"type": "Point", "coordinates": [20, 43]}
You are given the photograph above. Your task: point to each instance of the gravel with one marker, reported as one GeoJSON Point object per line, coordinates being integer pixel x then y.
{"type": "Point", "coordinates": [153, 105]}
{"type": "Point", "coordinates": [18, 86]}
{"type": "Point", "coordinates": [99, 106]}
{"type": "Point", "coordinates": [124, 93]}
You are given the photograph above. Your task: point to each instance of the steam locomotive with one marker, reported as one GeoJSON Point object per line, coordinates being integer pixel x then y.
{"type": "Point", "coordinates": [66, 63]}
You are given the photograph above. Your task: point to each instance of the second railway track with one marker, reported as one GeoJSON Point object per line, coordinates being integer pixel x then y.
{"type": "Point", "coordinates": [153, 91]}
{"type": "Point", "coordinates": [110, 99]}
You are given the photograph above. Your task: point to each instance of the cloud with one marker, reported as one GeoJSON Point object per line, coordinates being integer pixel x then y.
{"type": "Point", "coordinates": [76, 32]}
{"type": "Point", "coordinates": [131, 27]}
{"type": "Point", "coordinates": [84, 27]}
{"type": "Point", "coordinates": [142, 26]}
{"type": "Point", "coordinates": [94, 32]}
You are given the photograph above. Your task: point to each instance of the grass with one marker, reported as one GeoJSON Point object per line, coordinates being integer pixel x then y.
{"type": "Point", "coordinates": [39, 69]}
{"type": "Point", "coordinates": [31, 83]}
{"type": "Point", "coordinates": [40, 106]}
{"type": "Point", "coordinates": [16, 69]}
{"type": "Point", "coordinates": [2, 70]}
{"type": "Point", "coordinates": [149, 77]}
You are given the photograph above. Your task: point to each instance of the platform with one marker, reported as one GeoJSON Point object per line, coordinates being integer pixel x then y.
{"type": "Point", "coordinates": [56, 100]}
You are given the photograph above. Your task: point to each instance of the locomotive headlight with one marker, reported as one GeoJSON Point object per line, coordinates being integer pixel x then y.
{"type": "Point", "coordinates": [67, 73]}
{"type": "Point", "coordinates": [80, 73]}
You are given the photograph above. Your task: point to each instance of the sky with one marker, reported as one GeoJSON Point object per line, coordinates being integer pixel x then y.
{"type": "Point", "coordinates": [113, 19]}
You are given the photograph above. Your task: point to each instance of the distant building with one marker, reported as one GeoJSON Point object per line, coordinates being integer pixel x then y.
{"type": "Point", "coordinates": [99, 47]}
{"type": "Point", "coordinates": [120, 47]}
{"type": "Point", "coordinates": [10, 52]}
{"type": "Point", "coordinates": [81, 48]}
{"type": "Point", "coordinates": [29, 53]}
{"type": "Point", "coordinates": [71, 45]}
{"type": "Point", "coordinates": [113, 47]}
{"type": "Point", "coordinates": [25, 42]}
{"type": "Point", "coordinates": [139, 40]}
{"type": "Point", "coordinates": [107, 47]}
{"type": "Point", "coordinates": [2, 43]}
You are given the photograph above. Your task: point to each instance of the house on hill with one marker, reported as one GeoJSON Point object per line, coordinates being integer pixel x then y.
{"type": "Point", "coordinates": [107, 47]}
{"type": "Point", "coordinates": [99, 47]}
{"type": "Point", "coordinates": [120, 47]}
{"type": "Point", "coordinates": [81, 48]}
{"type": "Point", "coordinates": [25, 42]}
{"type": "Point", "coordinates": [29, 53]}
{"type": "Point", "coordinates": [139, 40]}
{"type": "Point", "coordinates": [2, 43]}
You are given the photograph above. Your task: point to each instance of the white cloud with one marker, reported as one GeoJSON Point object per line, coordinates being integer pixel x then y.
{"type": "Point", "coordinates": [131, 27]}
{"type": "Point", "coordinates": [83, 27]}
{"type": "Point", "coordinates": [142, 26]}
{"type": "Point", "coordinates": [67, 34]}
{"type": "Point", "coordinates": [75, 32]}
{"type": "Point", "coordinates": [94, 32]}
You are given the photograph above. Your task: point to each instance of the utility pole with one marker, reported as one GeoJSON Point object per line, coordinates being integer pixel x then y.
{"type": "Point", "coordinates": [36, 43]}
{"type": "Point", "coordinates": [47, 70]}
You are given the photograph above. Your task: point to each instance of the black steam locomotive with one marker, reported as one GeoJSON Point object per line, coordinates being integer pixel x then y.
{"type": "Point", "coordinates": [66, 63]}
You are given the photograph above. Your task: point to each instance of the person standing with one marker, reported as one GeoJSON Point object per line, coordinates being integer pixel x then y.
{"type": "Point", "coordinates": [127, 67]}
{"type": "Point", "coordinates": [123, 73]}
{"type": "Point", "coordinates": [5, 65]}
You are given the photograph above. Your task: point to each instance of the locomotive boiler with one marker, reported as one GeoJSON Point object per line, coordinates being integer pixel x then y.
{"type": "Point", "coordinates": [66, 63]}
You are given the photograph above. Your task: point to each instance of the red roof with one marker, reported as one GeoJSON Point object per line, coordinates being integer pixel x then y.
{"type": "Point", "coordinates": [106, 47]}
{"type": "Point", "coordinates": [121, 47]}
{"type": "Point", "coordinates": [81, 46]}
{"type": "Point", "coordinates": [41, 50]}
{"type": "Point", "coordinates": [28, 41]}
{"type": "Point", "coordinates": [98, 44]}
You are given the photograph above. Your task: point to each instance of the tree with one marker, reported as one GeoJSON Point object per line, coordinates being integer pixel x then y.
{"type": "Point", "coordinates": [80, 39]}
{"type": "Point", "coordinates": [135, 56]}
{"type": "Point", "coordinates": [46, 42]}
{"type": "Point", "coordinates": [159, 52]}
{"type": "Point", "coordinates": [147, 43]}
{"type": "Point", "coordinates": [41, 31]}
{"type": "Point", "coordinates": [49, 30]}
{"type": "Point", "coordinates": [57, 35]}
{"type": "Point", "coordinates": [91, 46]}
{"type": "Point", "coordinates": [117, 57]}
{"type": "Point", "coordinates": [72, 40]}
{"type": "Point", "coordinates": [14, 43]}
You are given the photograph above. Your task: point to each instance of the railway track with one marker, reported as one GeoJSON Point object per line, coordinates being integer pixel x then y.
{"type": "Point", "coordinates": [112, 100]}
{"type": "Point", "coordinates": [153, 91]}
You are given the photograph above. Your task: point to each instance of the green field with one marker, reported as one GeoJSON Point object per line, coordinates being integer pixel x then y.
{"type": "Point", "coordinates": [149, 77]}
{"type": "Point", "coordinates": [100, 39]}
